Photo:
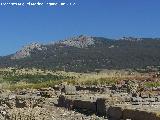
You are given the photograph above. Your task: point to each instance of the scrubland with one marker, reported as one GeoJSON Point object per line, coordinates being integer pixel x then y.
{"type": "Point", "coordinates": [13, 78]}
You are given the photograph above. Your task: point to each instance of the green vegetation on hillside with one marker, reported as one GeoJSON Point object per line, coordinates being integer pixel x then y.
{"type": "Point", "coordinates": [104, 54]}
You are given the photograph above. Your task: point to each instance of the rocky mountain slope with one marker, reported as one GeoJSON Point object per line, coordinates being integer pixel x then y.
{"type": "Point", "coordinates": [26, 50]}
{"type": "Point", "coordinates": [84, 53]}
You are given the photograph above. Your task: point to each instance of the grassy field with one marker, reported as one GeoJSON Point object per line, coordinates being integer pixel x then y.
{"type": "Point", "coordinates": [12, 78]}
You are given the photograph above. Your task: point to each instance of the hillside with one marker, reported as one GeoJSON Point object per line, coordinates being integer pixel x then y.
{"type": "Point", "coordinates": [83, 53]}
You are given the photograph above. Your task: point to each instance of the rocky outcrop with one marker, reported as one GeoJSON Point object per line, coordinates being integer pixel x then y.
{"type": "Point", "coordinates": [80, 41]}
{"type": "Point", "coordinates": [131, 39]}
{"type": "Point", "coordinates": [26, 51]}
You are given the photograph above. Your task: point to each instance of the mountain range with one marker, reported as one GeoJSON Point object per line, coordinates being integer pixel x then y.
{"type": "Point", "coordinates": [86, 53]}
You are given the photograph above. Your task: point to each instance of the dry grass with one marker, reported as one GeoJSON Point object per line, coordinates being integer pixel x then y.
{"type": "Point", "coordinates": [106, 77]}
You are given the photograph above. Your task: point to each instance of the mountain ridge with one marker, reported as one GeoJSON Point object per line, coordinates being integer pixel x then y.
{"type": "Point", "coordinates": [87, 53]}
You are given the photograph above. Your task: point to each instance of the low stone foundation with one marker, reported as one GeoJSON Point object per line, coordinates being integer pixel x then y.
{"type": "Point", "coordinates": [134, 114]}
{"type": "Point", "coordinates": [76, 104]}
{"type": "Point", "coordinates": [104, 107]}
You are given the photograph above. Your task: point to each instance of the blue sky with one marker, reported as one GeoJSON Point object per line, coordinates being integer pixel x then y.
{"type": "Point", "coordinates": [108, 18]}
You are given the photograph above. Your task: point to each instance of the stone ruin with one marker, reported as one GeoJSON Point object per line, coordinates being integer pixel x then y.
{"type": "Point", "coordinates": [105, 101]}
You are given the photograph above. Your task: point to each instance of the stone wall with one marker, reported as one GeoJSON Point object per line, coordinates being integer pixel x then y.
{"type": "Point", "coordinates": [134, 114]}
{"type": "Point", "coordinates": [89, 88]}
{"type": "Point", "coordinates": [76, 104]}
{"type": "Point", "coordinates": [104, 107]}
